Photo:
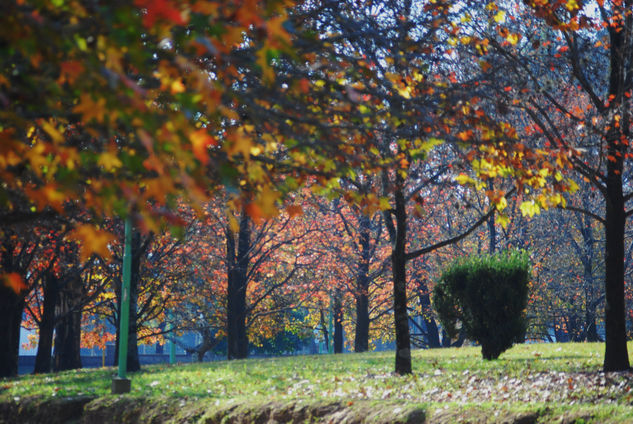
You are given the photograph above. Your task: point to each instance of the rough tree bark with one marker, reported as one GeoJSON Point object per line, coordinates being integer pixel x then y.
{"type": "Point", "coordinates": [11, 307]}
{"type": "Point", "coordinates": [67, 354]}
{"type": "Point", "coordinates": [237, 267]}
{"type": "Point", "coordinates": [616, 356]}
{"type": "Point", "coordinates": [432, 332]}
{"type": "Point", "coordinates": [337, 311]}
{"type": "Point", "coordinates": [51, 291]}
{"type": "Point", "coordinates": [398, 263]}
{"type": "Point", "coordinates": [361, 331]}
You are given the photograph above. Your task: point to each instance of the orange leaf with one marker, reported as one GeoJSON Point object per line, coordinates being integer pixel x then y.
{"type": "Point", "coordinates": [200, 141]}
{"type": "Point", "coordinates": [254, 211]}
{"type": "Point", "coordinates": [69, 71]}
{"type": "Point", "coordinates": [464, 135]}
{"type": "Point", "coordinates": [294, 210]}
{"type": "Point", "coordinates": [14, 281]}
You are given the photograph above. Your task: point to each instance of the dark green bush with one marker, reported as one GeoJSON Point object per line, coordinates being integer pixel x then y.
{"type": "Point", "coordinates": [488, 296]}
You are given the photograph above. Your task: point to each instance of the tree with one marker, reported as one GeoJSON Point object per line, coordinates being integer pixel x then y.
{"type": "Point", "coordinates": [488, 295]}
{"type": "Point", "coordinates": [540, 50]}
{"type": "Point", "coordinates": [248, 274]}
{"type": "Point", "coordinates": [24, 261]}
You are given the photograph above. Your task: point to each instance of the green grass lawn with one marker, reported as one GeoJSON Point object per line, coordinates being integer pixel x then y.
{"type": "Point", "coordinates": [551, 379]}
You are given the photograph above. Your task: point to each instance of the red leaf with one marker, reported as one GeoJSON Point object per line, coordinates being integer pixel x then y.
{"type": "Point", "coordinates": [159, 9]}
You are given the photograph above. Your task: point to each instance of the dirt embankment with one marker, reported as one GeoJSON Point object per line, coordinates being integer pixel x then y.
{"type": "Point", "coordinates": [132, 410]}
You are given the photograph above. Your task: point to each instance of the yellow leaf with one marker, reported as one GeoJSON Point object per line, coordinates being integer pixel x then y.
{"type": "Point", "coordinates": [268, 73]}
{"type": "Point", "coordinates": [513, 38]}
{"type": "Point", "coordinates": [92, 240]}
{"type": "Point", "coordinates": [572, 5]}
{"type": "Point", "coordinates": [109, 161]}
{"type": "Point", "coordinates": [239, 142]}
{"type": "Point", "coordinates": [177, 87]}
{"type": "Point", "coordinates": [113, 59]}
{"type": "Point", "coordinates": [267, 200]}
{"type": "Point", "coordinates": [429, 143]}
{"type": "Point", "coordinates": [463, 179]}
{"type": "Point", "coordinates": [529, 208]}
{"type": "Point", "coordinates": [233, 224]}
{"type": "Point", "coordinates": [503, 220]}
{"type": "Point", "coordinates": [501, 203]}
{"type": "Point", "coordinates": [405, 91]}
{"type": "Point", "coordinates": [52, 131]}
{"type": "Point", "coordinates": [89, 109]}
{"type": "Point", "coordinates": [500, 17]}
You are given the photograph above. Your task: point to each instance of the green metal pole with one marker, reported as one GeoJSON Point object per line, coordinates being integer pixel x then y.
{"type": "Point", "coordinates": [330, 347]}
{"type": "Point", "coordinates": [124, 326]}
{"type": "Point", "coordinates": [172, 346]}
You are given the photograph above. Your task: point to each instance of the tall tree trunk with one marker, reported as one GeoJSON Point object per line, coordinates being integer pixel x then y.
{"type": "Point", "coordinates": [432, 332]}
{"type": "Point", "coordinates": [47, 324]}
{"type": "Point", "coordinates": [398, 261]}
{"type": "Point", "coordinates": [67, 334]}
{"type": "Point", "coordinates": [324, 330]}
{"type": "Point", "coordinates": [338, 322]}
{"type": "Point", "coordinates": [590, 323]}
{"type": "Point", "coordinates": [11, 308]}
{"type": "Point", "coordinates": [616, 357]}
{"type": "Point", "coordinates": [361, 331]}
{"type": "Point", "coordinates": [237, 263]}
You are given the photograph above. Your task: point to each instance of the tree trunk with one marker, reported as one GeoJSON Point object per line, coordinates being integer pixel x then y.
{"type": "Point", "coordinates": [11, 307]}
{"type": "Point", "coordinates": [67, 335]}
{"type": "Point", "coordinates": [47, 325]}
{"type": "Point", "coordinates": [616, 356]}
{"type": "Point", "coordinates": [338, 322]}
{"type": "Point", "coordinates": [398, 261]}
{"type": "Point", "coordinates": [590, 324]}
{"type": "Point", "coordinates": [237, 263]}
{"type": "Point", "coordinates": [432, 333]}
{"type": "Point", "coordinates": [324, 330]}
{"type": "Point", "coordinates": [361, 331]}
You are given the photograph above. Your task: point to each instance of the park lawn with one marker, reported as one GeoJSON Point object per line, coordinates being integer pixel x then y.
{"type": "Point", "coordinates": [551, 380]}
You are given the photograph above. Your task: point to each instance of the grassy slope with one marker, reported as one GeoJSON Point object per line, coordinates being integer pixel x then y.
{"type": "Point", "coordinates": [552, 379]}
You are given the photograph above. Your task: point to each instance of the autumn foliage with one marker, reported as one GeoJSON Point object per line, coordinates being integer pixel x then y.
{"type": "Point", "coordinates": [287, 164]}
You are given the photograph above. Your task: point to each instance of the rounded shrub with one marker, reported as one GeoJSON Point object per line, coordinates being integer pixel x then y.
{"type": "Point", "coordinates": [488, 296]}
